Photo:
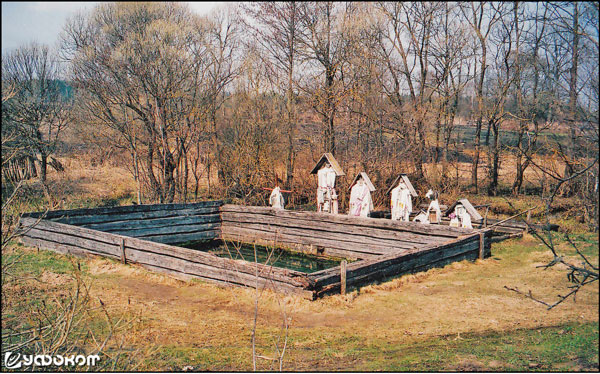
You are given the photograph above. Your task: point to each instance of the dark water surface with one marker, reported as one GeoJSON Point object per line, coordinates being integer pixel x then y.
{"type": "Point", "coordinates": [271, 256]}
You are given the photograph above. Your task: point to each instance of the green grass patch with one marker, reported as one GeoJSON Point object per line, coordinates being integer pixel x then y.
{"type": "Point", "coordinates": [175, 358]}
{"type": "Point", "coordinates": [34, 263]}
{"type": "Point", "coordinates": [571, 347]}
{"type": "Point", "coordinates": [568, 347]}
{"type": "Point", "coordinates": [513, 249]}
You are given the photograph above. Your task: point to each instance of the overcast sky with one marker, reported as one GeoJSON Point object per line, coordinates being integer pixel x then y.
{"type": "Point", "coordinates": [24, 22]}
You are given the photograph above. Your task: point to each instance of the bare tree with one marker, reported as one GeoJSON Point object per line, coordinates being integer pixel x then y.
{"type": "Point", "coordinates": [279, 31]}
{"type": "Point", "coordinates": [408, 37]}
{"type": "Point", "coordinates": [530, 109]}
{"type": "Point", "coordinates": [482, 17]}
{"type": "Point", "coordinates": [450, 61]}
{"type": "Point", "coordinates": [223, 43]}
{"type": "Point", "coordinates": [39, 107]}
{"type": "Point", "coordinates": [579, 274]}
{"type": "Point", "coordinates": [326, 43]}
{"type": "Point", "coordinates": [141, 67]}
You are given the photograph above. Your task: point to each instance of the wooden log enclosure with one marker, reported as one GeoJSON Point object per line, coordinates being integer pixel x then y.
{"type": "Point", "coordinates": [162, 223]}
{"type": "Point", "coordinates": [143, 234]}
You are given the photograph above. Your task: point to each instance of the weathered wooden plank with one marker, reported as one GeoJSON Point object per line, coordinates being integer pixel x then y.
{"type": "Point", "coordinates": [386, 260]}
{"type": "Point", "coordinates": [156, 222]}
{"type": "Point", "coordinates": [510, 223]}
{"type": "Point", "coordinates": [360, 233]}
{"type": "Point", "coordinates": [124, 209]}
{"type": "Point", "coordinates": [322, 238]}
{"type": "Point", "coordinates": [70, 230]}
{"type": "Point", "coordinates": [500, 238]}
{"type": "Point", "coordinates": [70, 245]}
{"type": "Point", "coordinates": [166, 230]}
{"type": "Point", "coordinates": [104, 218]}
{"type": "Point", "coordinates": [86, 244]}
{"type": "Point", "coordinates": [101, 240]}
{"type": "Point", "coordinates": [503, 227]}
{"type": "Point", "coordinates": [357, 250]}
{"type": "Point", "coordinates": [60, 247]}
{"type": "Point", "coordinates": [411, 265]}
{"type": "Point", "coordinates": [427, 255]}
{"type": "Point", "coordinates": [219, 262]}
{"type": "Point", "coordinates": [114, 239]}
{"type": "Point", "coordinates": [306, 248]}
{"type": "Point", "coordinates": [306, 244]}
{"type": "Point", "coordinates": [413, 262]}
{"type": "Point", "coordinates": [185, 237]}
{"type": "Point", "coordinates": [197, 269]}
{"type": "Point", "coordinates": [414, 227]}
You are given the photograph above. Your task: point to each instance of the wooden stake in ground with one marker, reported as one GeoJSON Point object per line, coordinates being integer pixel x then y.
{"type": "Point", "coordinates": [343, 276]}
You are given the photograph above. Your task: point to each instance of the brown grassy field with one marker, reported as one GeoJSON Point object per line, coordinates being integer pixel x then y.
{"type": "Point", "coordinates": [457, 318]}
{"type": "Point", "coordinates": [456, 314]}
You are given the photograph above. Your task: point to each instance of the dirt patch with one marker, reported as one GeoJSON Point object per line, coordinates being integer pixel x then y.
{"type": "Point", "coordinates": [149, 290]}
{"type": "Point", "coordinates": [467, 366]}
{"type": "Point", "coordinates": [469, 363]}
{"type": "Point", "coordinates": [54, 279]}
{"type": "Point", "coordinates": [495, 364]}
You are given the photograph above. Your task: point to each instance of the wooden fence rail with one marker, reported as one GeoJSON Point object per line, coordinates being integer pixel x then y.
{"type": "Point", "coordinates": [142, 233]}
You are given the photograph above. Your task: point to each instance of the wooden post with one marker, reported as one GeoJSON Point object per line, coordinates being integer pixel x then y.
{"type": "Point", "coordinates": [481, 245]}
{"type": "Point", "coordinates": [485, 218]}
{"type": "Point", "coordinates": [343, 276]}
{"type": "Point", "coordinates": [123, 259]}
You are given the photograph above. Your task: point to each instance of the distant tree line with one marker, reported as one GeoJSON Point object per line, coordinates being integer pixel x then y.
{"type": "Point", "coordinates": [258, 91]}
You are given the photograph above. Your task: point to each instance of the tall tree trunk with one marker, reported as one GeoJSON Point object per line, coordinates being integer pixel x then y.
{"type": "Point", "coordinates": [479, 122]}
{"type": "Point", "coordinates": [186, 173]}
{"type": "Point", "coordinates": [291, 130]}
{"type": "Point", "coordinates": [569, 187]}
{"type": "Point", "coordinates": [418, 157]}
{"type": "Point", "coordinates": [216, 144]}
{"type": "Point", "coordinates": [169, 181]}
{"type": "Point", "coordinates": [329, 119]}
{"type": "Point", "coordinates": [43, 166]}
{"type": "Point", "coordinates": [153, 182]}
{"type": "Point", "coordinates": [136, 175]}
{"type": "Point", "coordinates": [494, 161]}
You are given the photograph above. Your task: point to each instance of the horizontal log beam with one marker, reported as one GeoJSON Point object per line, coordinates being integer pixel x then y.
{"type": "Point", "coordinates": [185, 237]}
{"type": "Point", "coordinates": [169, 230]}
{"type": "Point", "coordinates": [409, 262]}
{"type": "Point", "coordinates": [261, 239]}
{"type": "Point", "coordinates": [124, 217]}
{"type": "Point", "coordinates": [99, 239]}
{"type": "Point", "coordinates": [372, 265]}
{"type": "Point", "coordinates": [356, 249]}
{"type": "Point", "coordinates": [413, 227]}
{"type": "Point", "coordinates": [352, 232]}
{"type": "Point", "coordinates": [410, 265]}
{"type": "Point", "coordinates": [154, 222]}
{"type": "Point", "coordinates": [123, 209]}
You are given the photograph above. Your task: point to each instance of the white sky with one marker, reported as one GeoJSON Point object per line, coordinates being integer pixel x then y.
{"type": "Point", "coordinates": [24, 22]}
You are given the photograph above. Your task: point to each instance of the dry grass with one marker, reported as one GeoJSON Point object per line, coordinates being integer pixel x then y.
{"type": "Point", "coordinates": [209, 327]}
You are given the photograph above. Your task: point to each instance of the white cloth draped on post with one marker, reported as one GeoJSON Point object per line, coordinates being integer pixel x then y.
{"type": "Point", "coordinates": [421, 217]}
{"type": "Point", "coordinates": [464, 216]}
{"type": "Point", "coordinates": [401, 202]}
{"type": "Point", "coordinates": [466, 221]}
{"type": "Point", "coordinates": [276, 199]}
{"type": "Point", "coordinates": [361, 203]}
{"type": "Point", "coordinates": [326, 195]}
{"type": "Point", "coordinates": [434, 213]}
